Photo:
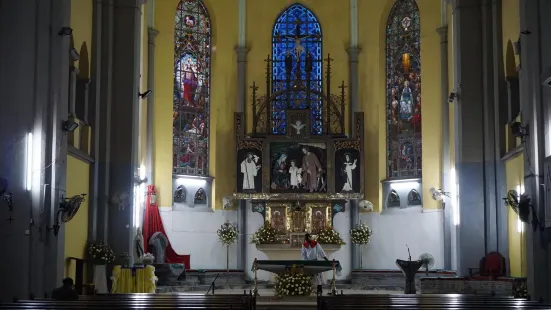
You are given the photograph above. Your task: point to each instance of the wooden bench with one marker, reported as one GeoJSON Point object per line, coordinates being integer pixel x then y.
{"type": "Point", "coordinates": [380, 301]}
{"type": "Point", "coordinates": [142, 301]}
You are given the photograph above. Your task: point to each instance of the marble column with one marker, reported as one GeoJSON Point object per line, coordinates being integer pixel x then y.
{"type": "Point", "coordinates": [469, 134]}
{"type": "Point", "coordinates": [102, 129]}
{"type": "Point", "coordinates": [444, 89]}
{"type": "Point", "coordinates": [241, 50]}
{"type": "Point", "coordinates": [124, 117]}
{"type": "Point", "coordinates": [95, 120]}
{"type": "Point", "coordinates": [353, 52]}
{"type": "Point", "coordinates": [500, 109]}
{"type": "Point", "coordinates": [151, 36]}
{"type": "Point", "coordinates": [533, 41]}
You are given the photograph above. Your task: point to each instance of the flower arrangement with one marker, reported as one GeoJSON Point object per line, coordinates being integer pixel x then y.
{"type": "Point", "coordinates": [147, 259]}
{"type": "Point", "coordinates": [293, 283]}
{"type": "Point", "coordinates": [227, 233]}
{"type": "Point", "coordinates": [100, 253]}
{"type": "Point", "coordinates": [520, 291]}
{"type": "Point", "coordinates": [265, 235]}
{"type": "Point", "coordinates": [329, 236]}
{"type": "Point", "coordinates": [361, 234]}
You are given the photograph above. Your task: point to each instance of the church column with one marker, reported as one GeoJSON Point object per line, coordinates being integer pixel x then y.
{"type": "Point", "coordinates": [124, 140]}
{"type": "Point", "coordinates": [537, 243]}
{"type": "Point", "coordinates": [241, 51]}
{"type": "Point", "coordinates": [500, 119]}
{"type": "Point", "coordinates": [444, 89]}
{"type": "Point", "coordinates": [103, 80]}
{"type": "Point", "coordinates": [353, 52]}
{"type": "Point", "coordinates": [151, 36]}
{"type": "Point", "coordinates": [469, 137]}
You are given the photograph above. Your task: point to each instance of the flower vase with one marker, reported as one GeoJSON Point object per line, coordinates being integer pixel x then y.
{"type": "Point", "coordinates": [100, 279]}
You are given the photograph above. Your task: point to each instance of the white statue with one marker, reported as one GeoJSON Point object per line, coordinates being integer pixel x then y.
{"type": "Point", "coordinates": [138, 246]}
{"type": "Point", "coordinates": [298, 126]}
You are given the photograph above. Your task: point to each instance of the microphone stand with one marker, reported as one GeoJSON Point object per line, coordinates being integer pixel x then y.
{"type": "Point", "coordinates": [212, 285]}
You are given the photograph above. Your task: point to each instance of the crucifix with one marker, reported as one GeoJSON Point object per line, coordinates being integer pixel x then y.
{"type": "Point", "coordinates": [297, 36]}
{"type": "Point", "coordinates": [10, 219]}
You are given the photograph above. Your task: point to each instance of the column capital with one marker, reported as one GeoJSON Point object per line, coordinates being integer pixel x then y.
{"type": "Point", "coordinates": [241, 52]}
{"type": "Point", "coordinates": [152, 35]}
{"type": "Point", "coordinates": [443, 32]}
{"type": "Point", "coordinates": [353, 52]}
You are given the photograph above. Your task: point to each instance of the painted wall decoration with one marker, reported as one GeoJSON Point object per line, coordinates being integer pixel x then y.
{"type": "Point", "coordinates": [347, 170]}
{"type": "Point", "coordinates": [249, 170]}
{"type": "Point", "coordinates": [298, 167]}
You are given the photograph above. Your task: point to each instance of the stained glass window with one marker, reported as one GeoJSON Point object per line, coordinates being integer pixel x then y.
{"type": "Point", "coordinates": [403, 91]}
{"type": "Point", "coordinates": [192, 49]}
{"type": "Point", "coordinates": [296, 41]}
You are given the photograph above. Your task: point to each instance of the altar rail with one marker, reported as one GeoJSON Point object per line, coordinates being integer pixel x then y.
{"type": "Point", "coordinates": [393, 280]}
{"type": "Point", "coordinates": [463, 285]}
{"type": "Point", "coordinates": [376, 301]}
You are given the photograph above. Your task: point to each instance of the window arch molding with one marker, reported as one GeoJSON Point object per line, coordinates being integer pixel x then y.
{"type": "Point", "coordinates": [191, 100]}
{"type": "Point", "coordinates": [298, 32]}
{"type": "Point", "coordinates": [403, 91]}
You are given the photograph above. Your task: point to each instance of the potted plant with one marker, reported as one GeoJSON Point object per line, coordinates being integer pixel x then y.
{"type": "Point", "coordinates": [330, 236]}
{"type": "Point", "coordinates": [360, 235]}
{"type": "Point", "coordinates": [227, 235]}
{"type": "Point", "coordinates": [100, 254]}
{"type": "Point", "coordinates": [293, 283]}
{"type": "Point", "coordinates": [265, 235]}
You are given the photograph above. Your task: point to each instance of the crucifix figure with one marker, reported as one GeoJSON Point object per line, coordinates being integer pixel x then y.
{"type": "Point", "coordinates": [297, 36]}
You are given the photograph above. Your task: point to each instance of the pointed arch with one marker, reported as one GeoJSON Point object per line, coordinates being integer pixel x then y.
{"type": "Point", "coordinates": [296, 24]}
{"type": "Point", "coordinates": [403, 91]}
{"type": "Point", "coordinates": [192, 66]}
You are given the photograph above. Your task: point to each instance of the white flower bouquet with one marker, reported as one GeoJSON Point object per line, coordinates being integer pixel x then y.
{"type": "Point", "coordinates": [361, 234]}
{"type": "Point", "coordinates": [293, 283]}
{"type": "Point", "coordinates": [147, 259]}
{"type": "Point", "coordinates": [227, 233]}
{"type": "Point", "coordinates": [265, 235]}
{"type": "Point", "coordinates": [329, 236]}
{"type": "Point", "coordinates": [100, 253]}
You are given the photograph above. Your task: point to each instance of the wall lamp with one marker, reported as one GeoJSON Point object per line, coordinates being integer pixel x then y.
{"type": "Point", "coordinates": [518, 130]}
{"type": "Point", "coordinates": [74, 54]}
{"type": "Point", "coordinates": [145, 94]}
{"type": "Point", "coordinates": [65, 31]}
{"type": "Point", "coordinates": [452, 97]}
{"type": "Point", "coordinates": [70, 125]}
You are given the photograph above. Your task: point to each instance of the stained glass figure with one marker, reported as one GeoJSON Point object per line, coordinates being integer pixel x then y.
{"type": "Point", "coordinates": [200, 197]}
{"type": "Point", "coordinates": [297, 58]}
{"type": "Point", "coordinates": [192, 49]}
{"type": "Point", "coordinates": [403, 88]}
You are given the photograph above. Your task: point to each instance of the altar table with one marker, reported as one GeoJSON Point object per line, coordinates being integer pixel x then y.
{"type": "Point", "coordinates": [137, 279]}
{"type": "Point", "coordinates": [309, 267]}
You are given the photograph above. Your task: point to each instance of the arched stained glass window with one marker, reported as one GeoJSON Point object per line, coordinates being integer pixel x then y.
{"type": "Point", "coordinates": [403, 91]}
{"type": "Point", "coordinates": [297, 36]}
{"type": "Point", "coordinates": [192, 49]}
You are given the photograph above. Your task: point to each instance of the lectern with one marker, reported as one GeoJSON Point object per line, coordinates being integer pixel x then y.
{"type": "Point", "coordinates": [409, 268]}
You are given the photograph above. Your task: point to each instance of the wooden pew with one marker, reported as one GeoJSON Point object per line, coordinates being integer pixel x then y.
{"type": "Point", "coordinates": [381, 301]}
{"type": "Point", "coordinates": [143, 301]}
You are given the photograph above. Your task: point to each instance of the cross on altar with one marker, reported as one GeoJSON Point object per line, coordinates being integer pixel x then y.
{"type": "Point", "coordinates": [10, 219]}
{"type": "Point", "coordinates": [297, 36]}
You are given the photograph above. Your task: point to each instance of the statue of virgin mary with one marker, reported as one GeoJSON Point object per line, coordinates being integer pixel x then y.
{"type": "Point", "coordinates": [138, 246]}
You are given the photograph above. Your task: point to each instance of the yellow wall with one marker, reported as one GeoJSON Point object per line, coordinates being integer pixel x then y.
{"type": "Point", "coordinates": [373, 19]}
{"type": "Point", "coordinates": [76, 230]}
{"type": "Point", "coordinates": [451, 87]}
{"type": "Point", "coordinates": [143, 86]}
{"type": "Point", "coordinates": [514, 169]}
{"type": "Point", "coordinates": [78, 172]}
{"type": "Point", "coordinates": [81, 22]}
{"type": "Point", "coordinates": [223, 16]}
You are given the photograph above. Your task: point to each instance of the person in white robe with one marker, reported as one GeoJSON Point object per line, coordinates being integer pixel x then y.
{"type": "Point", "coordinates": [249, 168]}
{"type": "Point", "coordinates": [311, 250]}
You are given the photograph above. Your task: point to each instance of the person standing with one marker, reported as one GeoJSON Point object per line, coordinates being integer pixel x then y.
{"type": "Point", "coordinates": [311, 250]}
